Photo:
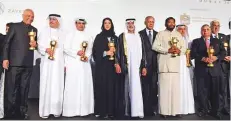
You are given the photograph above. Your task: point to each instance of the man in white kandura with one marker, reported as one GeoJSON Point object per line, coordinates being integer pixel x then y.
{"type": "Point", "coordinates": [131, 61]}
{"type": "Point", "coordinates": [78, 93]}
{"type": "Point", "coordinates": [51, 71]}
{"type": "Point", "coordinates": [186, 75]}
{"type": "Point", "coordinates": [168, 68]}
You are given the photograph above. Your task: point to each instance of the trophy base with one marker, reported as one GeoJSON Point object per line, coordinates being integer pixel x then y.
{"type": "Point", "coordinates": [83, 58]}
{"type": "Point", "coordinates": [111, 58]}
{"type": "Point", "coordinates": [210, 65]}
{"type": "Point", "coordinates": [31, 48]}
{"type": "Point", "coordinates": [51, 58]}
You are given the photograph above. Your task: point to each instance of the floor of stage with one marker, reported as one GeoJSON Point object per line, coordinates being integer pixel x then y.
{"type": "Point", "coordinates": [34, 108]}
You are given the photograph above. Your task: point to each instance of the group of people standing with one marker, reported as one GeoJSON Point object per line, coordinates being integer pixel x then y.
{"type": "Point", "coordinates": [135, 74]}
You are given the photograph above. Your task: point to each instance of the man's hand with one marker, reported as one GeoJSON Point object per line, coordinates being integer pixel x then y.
{"type": "Point", "coordinates": [171, 50]}
{"type": "Point", "coordinates": [144, 72]}
{"type": "Point", "coordinates": [49, 51]}
{"type": "Point", "coordinates": [177, 51]}
{"type": "Point", "coordinates": [227, 58]}
{"type": "Point", "coordinates": [33, 44]}
{"type": "Point", "coordinates": [118, 69]}
{"type": "Point", "coordinates": [204, 59]}
{"type": "Point", "coordinates": [80, 53]}
{"type": "Point", "coordinates": [5, 64]}
{"type": "Point", "coordinates": [213, 58]}
{"type": "Point", "coordinates": [110, 53]}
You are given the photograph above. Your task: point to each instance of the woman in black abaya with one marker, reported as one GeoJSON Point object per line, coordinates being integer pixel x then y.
{"type": "Point", "coordinates": [108, 87]}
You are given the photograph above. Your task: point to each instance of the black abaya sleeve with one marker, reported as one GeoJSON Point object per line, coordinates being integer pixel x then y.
{"type": "Point", "coordinates": [98, 48]}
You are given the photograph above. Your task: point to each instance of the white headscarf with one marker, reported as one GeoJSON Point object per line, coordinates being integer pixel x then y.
{"type": "Point", "coordinates": [55, 16]}
{"type": "Point", "coordinates": [186, 36]}
{"type": "Point", "coordinates": [78, 20]}
{"type": "Point", "coordinates": [126, 24]}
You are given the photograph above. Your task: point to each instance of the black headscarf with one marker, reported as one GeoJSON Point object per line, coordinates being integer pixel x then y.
{"type": "Point", "coordinates": [108, 33]}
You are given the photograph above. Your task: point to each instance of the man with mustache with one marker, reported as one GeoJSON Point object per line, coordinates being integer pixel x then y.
{"type": "Point", "coordinates": [168, 70]}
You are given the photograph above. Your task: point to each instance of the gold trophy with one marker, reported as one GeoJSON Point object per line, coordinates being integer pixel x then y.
{"type": "Point", "coordinates": [111, 44]}
{"type": "Point", "coordinates": [53, 44]}
{"type": "Point", "coordinates": [84, 47]}
{"type": "Point", "coordinates": [173, 43]}
{"type": "Point", "coordinates": [226, 46]}
{"type": "Point", "coordinates": [32, 35]}
{"type": "Point", "coordinates": [211, 51]}
{"type": "Point", "coordinates": [188, 57]}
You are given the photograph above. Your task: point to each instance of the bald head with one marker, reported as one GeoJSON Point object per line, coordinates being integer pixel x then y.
{"type": "Point", "coordinates": [28, 16]}
{"type": "Point", "coordinates": [149, 22]}
{"type": "Point", "coordinates": [215, 26]}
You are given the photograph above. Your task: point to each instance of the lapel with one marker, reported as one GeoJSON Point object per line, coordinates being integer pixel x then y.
{"type": "Point", "coordinates": [154, 35]}
{"type": "Point", "coordinates": [203, 42]}
{"type": "Point", "coordinates": [211, 41]}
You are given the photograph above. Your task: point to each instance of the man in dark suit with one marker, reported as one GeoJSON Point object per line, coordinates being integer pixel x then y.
{"type": "Point", "coordinates": [2, 39]}
{"type": "Point", "coordinates": [208, 78]}
{"type": "Point", "coordinates": [18, 62]}
{"type": "Point", "coordinates": [225, 65]}
{"type": "Point", "coordinates": [149, 82]}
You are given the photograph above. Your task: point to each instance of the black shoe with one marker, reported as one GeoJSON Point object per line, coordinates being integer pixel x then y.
{"type": "Point", "coordinates": [218, 116]}
{"type": "Point", "coordinates": [226, 112]}
{"type": "Point", "coordinates": [154, 113]}
{"type": "Point", "coordinates": [164, 116]}
{"type": "Point", "coordinates": [25, 117]}
{"type": "Point", "coordinates": [201, 114]}
{"type": "Point", "coordinates": [179, 116]}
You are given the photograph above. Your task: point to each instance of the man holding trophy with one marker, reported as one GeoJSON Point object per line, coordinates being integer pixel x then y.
{"type": "Point", "coordinates": [50, 45]}
{"type": "Point", "coordinates": [78, 94]}
{"type": "Point", "coordinates": [18, 62]}
{"type": "Point", "coordinates": [208, 52]}
{"type": "Point", "coordinates": [170, 45]}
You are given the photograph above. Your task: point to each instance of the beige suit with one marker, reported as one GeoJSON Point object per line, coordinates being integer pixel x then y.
{"type": "Point", "coordinates": [169, 68]}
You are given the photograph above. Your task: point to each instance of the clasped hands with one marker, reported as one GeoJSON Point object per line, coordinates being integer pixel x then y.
{"type": "Point", "coordinates": [174, 50]}
{"type": "Point", "coordinates": [33, 44]}
{"type": "Point", "coordinates": [209, 60]}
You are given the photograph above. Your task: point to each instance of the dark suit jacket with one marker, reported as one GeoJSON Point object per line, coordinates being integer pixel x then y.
{"type": "Point", "coordinates": [224, 64]}
{"type": "Point", "coordinates": [151, 55]}
{"type": "Point", "coordinates": [199, 50]}
{"type": "Point", "coordinates": [16, 47]}
{"type": "Point", "coordinates": [2, 38]}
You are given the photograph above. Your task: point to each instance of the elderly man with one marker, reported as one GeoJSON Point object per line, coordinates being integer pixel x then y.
{"type": "Point", "coordinates": [169, 72]}
{"type": "Point", "coordinates": [207, 75]}
{"type": "Point", "coordinates": [225, 65]}
{"type": "Point", "coordinates": [78, 94]}
{"type": "Point", "coordinates": [51, 68]}
{"type": "Point", "coordinates": [149, 82]}
{"type": "Point", "coordinates": [132, 61]}
{"type": "Point", "coordinates": [18, 62]}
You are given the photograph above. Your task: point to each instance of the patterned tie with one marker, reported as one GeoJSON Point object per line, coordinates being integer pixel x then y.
{"type": "Point", "coordinates": [207, 43]}
{"type": "Point", "coordinates": [150, 36]}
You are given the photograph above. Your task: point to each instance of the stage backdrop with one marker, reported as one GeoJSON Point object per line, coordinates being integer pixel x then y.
{"type": "Point", "coordinates": [192, 12]}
